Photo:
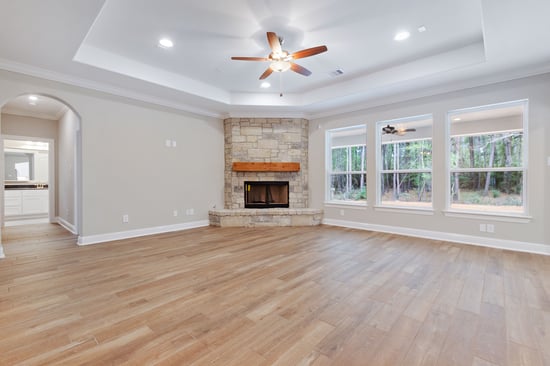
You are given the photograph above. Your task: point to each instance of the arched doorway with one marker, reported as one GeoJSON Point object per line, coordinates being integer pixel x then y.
{"type": "Point", "coordinates": [30, 121]}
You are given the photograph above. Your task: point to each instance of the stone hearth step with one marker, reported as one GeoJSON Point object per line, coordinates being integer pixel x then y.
{"type": "Point", "coordinates": [266, 217]}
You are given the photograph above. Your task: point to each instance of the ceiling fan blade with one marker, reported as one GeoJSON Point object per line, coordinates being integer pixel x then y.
{"type": "Point", "coordinates": [250, 58]}
{"type": "Point", "coordinates": [299, 69]}
{"type": "Point", "coordinates": [308, 52]}
{"type": "Point", "coordinates": [274, 43]}
{"type": "Point", "coordinates": [266, 73]}
{"type": "Point", "coordinates": [403, 131]}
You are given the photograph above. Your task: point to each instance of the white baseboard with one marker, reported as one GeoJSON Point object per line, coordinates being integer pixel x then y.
{"type": "Point", "coordinates": [451, 237]}
{"type": "Point", "coordinates": [101, 238]}
{"type": "Point", "coordinates": [67, 225]}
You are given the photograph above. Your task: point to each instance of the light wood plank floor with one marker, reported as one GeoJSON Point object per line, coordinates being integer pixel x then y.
{"type": "Point", "coordinates": [269, 296]}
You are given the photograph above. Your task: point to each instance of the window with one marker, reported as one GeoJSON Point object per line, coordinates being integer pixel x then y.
{"type": "Point", "coordinates": [405, 163]}
{"type": "Point", "coordinates": [487, 165]}
{"type": "Point", "coordinates": [347, 164]}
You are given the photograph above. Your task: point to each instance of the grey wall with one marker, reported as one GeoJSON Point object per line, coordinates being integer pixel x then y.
{"type": "Point", "coordinates": [28, 126]}
{"type": "Point", "coordinates": [536, 89]}
{"type": "Point", "coordinates": [126, 167]}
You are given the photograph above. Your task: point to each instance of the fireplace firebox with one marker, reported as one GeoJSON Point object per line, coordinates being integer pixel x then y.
{"type": "Point", "coordinates": [266, 194]}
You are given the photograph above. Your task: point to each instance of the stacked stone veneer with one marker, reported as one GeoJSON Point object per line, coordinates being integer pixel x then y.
{"type": "Point", "coordinates": [266, 140]}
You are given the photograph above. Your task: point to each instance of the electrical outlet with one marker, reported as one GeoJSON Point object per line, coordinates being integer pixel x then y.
{"type": "Point", "coordinates": [168, 143]}
{"type": "Point", "coordinates": [490, 228]}
{"type": "Point", "coordinates": [125, 219]}
{"type": "Point", "coordinates": [483, 227]}
{"type": "Point", "coordinates": [341, 212]}
{"type": "Point", "coordinates": [190, 211]}
{"type": "Point", "coordinates": [548, 162]}
{"type": "Point", "coordinates": [174, 143]}
{"type": "Point", "coordinates": [175, 213]}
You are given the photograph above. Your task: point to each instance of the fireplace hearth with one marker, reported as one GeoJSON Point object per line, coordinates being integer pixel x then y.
{"type": "Point", "coordinates": [266, 194]}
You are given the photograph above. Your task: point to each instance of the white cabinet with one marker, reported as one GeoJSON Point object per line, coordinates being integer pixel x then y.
{"type": "Point", "coordinates": [12, 202]}
{"type": "Point", "coordinates": [26, 202]}
{"type": "Point", "coordinates": [34, 202]}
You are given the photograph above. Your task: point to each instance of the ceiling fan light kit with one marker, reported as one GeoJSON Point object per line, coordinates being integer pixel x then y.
{"type": "Point", "coordinates": [280, 59]}
{"type": "Point", "coordinates": [280, 66]}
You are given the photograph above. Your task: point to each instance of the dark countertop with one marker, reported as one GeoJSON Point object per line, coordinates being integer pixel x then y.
{"type": "Point", "coordinates": [40, 186]}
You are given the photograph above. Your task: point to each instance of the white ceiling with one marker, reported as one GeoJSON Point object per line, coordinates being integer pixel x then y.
{"type": "Point", "coordinates": [112, 46]}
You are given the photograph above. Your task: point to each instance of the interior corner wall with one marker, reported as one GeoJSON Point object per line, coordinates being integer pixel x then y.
{"type": "Point", "coordinates": [66, 148]}
{"type": "Point", "coordinates": [537, 231]}
{"type": "Point", "coordinates": [127, 169]}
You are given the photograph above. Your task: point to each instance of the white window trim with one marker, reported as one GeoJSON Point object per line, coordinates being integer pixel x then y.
{"type": "Point", "coordinates": [347, 204]}
{"type": "Point", "coordinates": [380, 206]}
{"type": "Point", "coordinates": [480, 215]}
{"type": "Point", "coordinates": [494, 214]}
{"type": "Point", "coordinates": [406, 210]}
{"type": "Point", "coordinates": [328, 167]}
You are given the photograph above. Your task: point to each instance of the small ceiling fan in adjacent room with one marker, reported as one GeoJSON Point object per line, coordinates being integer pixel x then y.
{"type": "Point", "coordinates": [392, 130]}
{"type": "Point", "coordinates": [281, 60]}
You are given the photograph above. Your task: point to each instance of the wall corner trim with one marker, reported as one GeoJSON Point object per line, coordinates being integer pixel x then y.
{"type": "Point", "coordinates": [2, 255]}
{"type": "Point", "coordinates": [102, 238]}
{"type": "Point", "coordinates": [535, 248]}
{"type": "Point", "coordinates": [67, 225]}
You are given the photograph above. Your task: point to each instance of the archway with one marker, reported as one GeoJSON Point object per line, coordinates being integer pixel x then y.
{"type": "Point", "coordinates": [20, 117]}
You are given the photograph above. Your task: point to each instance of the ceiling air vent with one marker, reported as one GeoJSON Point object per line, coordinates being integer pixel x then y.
{"type": "Point", "coordinates": [336, 73]}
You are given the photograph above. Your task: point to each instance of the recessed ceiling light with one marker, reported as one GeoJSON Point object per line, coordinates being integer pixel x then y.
{"type": "Point", "coordinates": [457, 119]}
{"type": "Point", "coordinates": [265, 85]}
{"type": "Point", "coordinates": [422, 29]}
{"type": "Point", "coordinates": [166, 43]}
{"type": "Point", "coordinates": [401, 36]}
{"type": "Point", "coordinates": [33, 98]}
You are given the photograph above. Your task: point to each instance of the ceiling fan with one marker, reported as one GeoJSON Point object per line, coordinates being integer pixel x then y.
{"type": "Point", "coordinates": [392, 130]}
{"type": "Point", "coordinates": [281, 60]}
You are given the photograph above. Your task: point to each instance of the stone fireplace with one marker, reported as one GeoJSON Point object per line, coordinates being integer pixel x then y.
{"type": "Point", "coordinates": [259, 152]}
{"type": "Point", "coordinates": [266, 140]}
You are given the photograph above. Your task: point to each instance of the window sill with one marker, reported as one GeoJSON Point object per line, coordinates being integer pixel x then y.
{"type": "Point", "coordinates": [406, 210]}
{"type": "Point", "coordinates": [523, 219]}
{"type": "Point", "coordinates": [346, 204]}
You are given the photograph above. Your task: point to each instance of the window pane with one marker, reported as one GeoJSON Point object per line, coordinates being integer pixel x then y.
{"type": "Point", "coordinates": [358, 158]}
{"type": "Point", "coordinates": [340, 159]}
{"type": "Point", "coordinates": [496, 150]}
{"type": "Point", "coordinates": [406, 188]}
{"type": "Point", "coordinates": [484, 191]}
{"type": "Point", "coordinates": [348, 187]}
{"type": "Point", "coordinates": [407, 155]}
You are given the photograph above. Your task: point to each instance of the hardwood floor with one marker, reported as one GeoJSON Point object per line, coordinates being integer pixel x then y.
{"type": "Point", "coordinates": [269, 296]}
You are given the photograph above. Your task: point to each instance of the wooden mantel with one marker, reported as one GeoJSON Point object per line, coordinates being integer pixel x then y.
{"type": "Point", "coordinates": [265, 167]}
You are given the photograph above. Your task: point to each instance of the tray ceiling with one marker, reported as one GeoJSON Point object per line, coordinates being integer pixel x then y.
{"type": "Point", "coordinates": [112, 46]}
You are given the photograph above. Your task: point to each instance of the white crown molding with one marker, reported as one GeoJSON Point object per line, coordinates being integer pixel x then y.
{"type": "Point", "coordinates": [281, 111]}
{"type": "Point", "coordinates": [100, 87]}
{"type": "Point", "coordinates": [267, 113]}
{"type": "Point", "coordinates": [67, 225]}
{"type": "Point", "coordinates": [428, 91]}
{"type": "Point", "coordinates": [517, 246]}
{"type": "Point", "coordinates": [101, 238]}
